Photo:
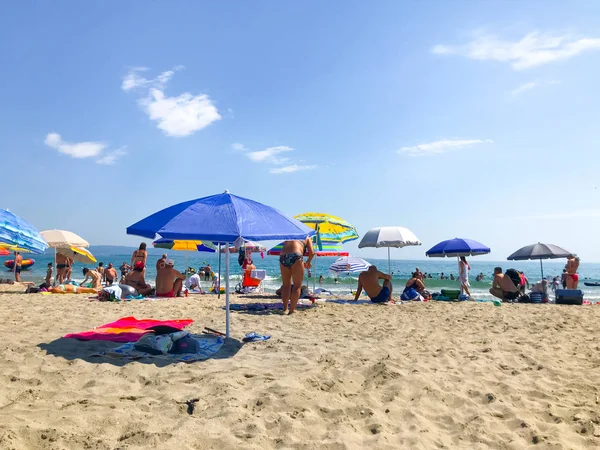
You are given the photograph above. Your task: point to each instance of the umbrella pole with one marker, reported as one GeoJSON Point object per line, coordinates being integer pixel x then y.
{"type": "Point", "coordinates": [186, 264]}
{"type": "Point", "coordinates": [226, 292]}
{"type": "Point", "coordinates": [542, 269]}
{"type": "Point", "coordinates": [55, 269]}
{"type": "Point", "coordinates": [389, 264]}
{"type": "Point", "coordinates": [315, 275]}
{"type": "Point", "coordinates": [219, 283]}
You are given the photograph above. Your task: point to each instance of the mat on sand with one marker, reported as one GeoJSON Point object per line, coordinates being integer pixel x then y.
{"type": "Point", "coordinates": [127, 329]}
{"type": "Point", "coordinates": [208, 345]}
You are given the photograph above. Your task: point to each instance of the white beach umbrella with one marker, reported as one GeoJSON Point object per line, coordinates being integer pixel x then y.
{"type": "Point", "coordinates": [63, 239]}
{"type": "Point", "coordinates": [396, 237]}
{"type": "Point", "coordinates": [349, 264]}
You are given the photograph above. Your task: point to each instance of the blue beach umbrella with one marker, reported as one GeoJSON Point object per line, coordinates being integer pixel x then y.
{"type": "Point", "coordinates": [457, 247]}
{"type": "Point", "coordinates": [18, 234]}
{"type": "Point", "coordinates": [222, 219]}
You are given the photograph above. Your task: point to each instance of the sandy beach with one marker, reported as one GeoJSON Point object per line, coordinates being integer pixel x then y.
{"type": "Point", "coordinates": [434, 375]}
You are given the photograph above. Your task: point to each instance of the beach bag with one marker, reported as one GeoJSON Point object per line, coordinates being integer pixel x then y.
{"type": "Point", "coordinates": [514, 276]}
{"type": "Point", "coordinates": [409, 294]}
{"type": "Point", "coordinates": [153, 344]}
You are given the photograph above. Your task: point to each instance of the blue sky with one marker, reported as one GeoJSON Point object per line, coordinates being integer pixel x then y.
{"type": "Point", "coordinates": [458, 118]}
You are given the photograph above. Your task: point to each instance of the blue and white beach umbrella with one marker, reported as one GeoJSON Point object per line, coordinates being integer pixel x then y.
{"type": "Point", "coordinates": [349, 264]}
{"type": "Point", "coordinates": [16, 233]}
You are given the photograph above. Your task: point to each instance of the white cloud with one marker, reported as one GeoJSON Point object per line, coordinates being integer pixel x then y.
{"type": "Point", "coordinates": [177, 116]}
{"type": "Point", "coordinates": [290, 169]}
{"type": "Point", "coordinates": [524, 87]}
{"type": "Point", "coordinates": [111, 158]}
{"type": "Point", "coordinates": [77, 149]}
{"type": "Point", "coordinates": [238, 147]}
{"type": "Point", "coordinates": [534, 49]}
{"type": "Point", "coordinates": [438, 147]}
{"type": "Point", "coordinates": [269, 155]}
{"type": "Point", "coordinates": [531, 85]}
{"type": "Point", "coordinates": [180, 116]}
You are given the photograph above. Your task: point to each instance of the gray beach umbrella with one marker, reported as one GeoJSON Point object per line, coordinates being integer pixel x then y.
{"type": "Point", "coordinates": [540, 251]}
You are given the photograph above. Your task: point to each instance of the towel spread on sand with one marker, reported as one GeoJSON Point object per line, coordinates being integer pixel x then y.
{"type": "Point", "coordinates": [208, 345]}
{"type": "Point", "coordinates": [263, 306]}
{"type": "Point", "coordinates": [127, 329]}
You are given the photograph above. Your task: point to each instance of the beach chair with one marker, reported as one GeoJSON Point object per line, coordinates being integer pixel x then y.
{"type": "Point", "coordinates": [252, 282]}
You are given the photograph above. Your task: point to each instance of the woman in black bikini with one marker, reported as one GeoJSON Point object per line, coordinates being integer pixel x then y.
{"type": "Point", "coordinates": [140, 255]}
{"type": "Point", "coordinates": [292, 267]}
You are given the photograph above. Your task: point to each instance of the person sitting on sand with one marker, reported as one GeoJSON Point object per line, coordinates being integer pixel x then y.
{"type": "Point", "coordinates": [72, 289]}
{"type": "Point", "coordinates": [110, 274]}
{"type": "Point", "coordinates": [161, 262]}
{"type": "Point", "coordinates": [572, 275]}
{"type": "Point", "coordinates": [169, 282]}
{"type": "Point", "coordinates": [95, 276]}
{"type": "Point", "coordinates": [369, 280]}
{"type": "Point", "coordinates": [136, 280]}
{"type": "Point", "coordinates": [415, 289]}
{"type": "Point", "coordinates": [47, 284]}
{"type": "Point", "coordinates": [193, 283]}
{"type": "Point", "coordinates": [503, 287]}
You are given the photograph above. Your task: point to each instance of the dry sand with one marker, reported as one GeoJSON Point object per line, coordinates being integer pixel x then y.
{"type": "Point", "coordinates": [412, 376]}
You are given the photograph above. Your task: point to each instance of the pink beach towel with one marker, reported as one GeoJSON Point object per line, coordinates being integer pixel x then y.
{"type": "Point", "coordinates": [127, 329]}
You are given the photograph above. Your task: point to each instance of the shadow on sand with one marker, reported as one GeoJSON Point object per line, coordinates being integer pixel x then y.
{"type": "Point", "coordinates": [71, 349]}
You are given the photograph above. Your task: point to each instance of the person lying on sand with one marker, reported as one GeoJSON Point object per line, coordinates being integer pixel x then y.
{"type": "Point", "coordinates": [503, 287]}
{"type": "Point", "coordinates": [95, 276]}
{"type": "Point", "coordinates": [135, 279]}
{"type": "Point", "coordinates": [369, 280]}
{"type": "Point", "coordinates": [169, 282]}
{"type": "Point", "coordinates": [72, 289]}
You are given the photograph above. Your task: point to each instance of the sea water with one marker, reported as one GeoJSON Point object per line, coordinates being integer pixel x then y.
{"type": "Point", "coordinates": [339, 284]}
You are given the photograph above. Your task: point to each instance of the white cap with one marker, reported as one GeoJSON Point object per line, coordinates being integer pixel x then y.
{"type": "Point", "coordinates": [169, 262]}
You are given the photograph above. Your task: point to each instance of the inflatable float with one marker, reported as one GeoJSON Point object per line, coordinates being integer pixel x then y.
{"type": "Point", "coordinates": [26, 264]}
{"type": "Point", "coordinates": [592, 283]}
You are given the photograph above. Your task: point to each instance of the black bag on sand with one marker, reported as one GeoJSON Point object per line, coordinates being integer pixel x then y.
{"type": "Point", "coordinates": [524, 299]}
{"type": "Point", "coordinates": [514, 276]}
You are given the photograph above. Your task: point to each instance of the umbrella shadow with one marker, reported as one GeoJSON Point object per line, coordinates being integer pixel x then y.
{"type": "Point", "coordinates": [73, 349]}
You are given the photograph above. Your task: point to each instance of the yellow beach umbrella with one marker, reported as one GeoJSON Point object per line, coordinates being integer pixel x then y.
{"type": "Point", "coordinates": [78, 254]}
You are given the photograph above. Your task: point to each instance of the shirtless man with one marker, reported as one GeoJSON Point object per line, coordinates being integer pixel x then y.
{"type": "Point", "coordinates": [169, 282]}
{"type": "Point", "coordinates": [503, 287]}
{"type": "Point", "coordinates": [161, 262]}
{"type": "Point", "coordinates": [369, 280]}
{"type": "Point", "coordinates": [95, 276]}
{"type": "Point", "coordinates": [572, 276]}
{"type": "Point", "coordinates": [110, 274]}
{"type": "Point", "coordinates": [61, 267]}
{"type": "Point", "coordinates": [135, 279]}
{"type": "Point", "coordinates": [100, 270]}
{"type": "Point", "coordinates": [17, 266]}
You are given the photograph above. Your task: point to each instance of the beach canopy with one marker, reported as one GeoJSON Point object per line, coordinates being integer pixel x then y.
{"type": "Point", "coordinates": [78, 254]}
{"type": "Point", "coordinates": [349, 264]}
{"type": "Point", "coordinates": [248, 245]}
{"type": "Point", "coordinates": [540, 251]}
{"type": "Point", "coordinates": [64, 239]}
{"type": "Point", "coordinates": [457, 247]}
{"type": "Point", "coordinates": [221, 218]}
{"type": "Point", "coordinates": [182, 245]}
{"type": "Point", "coordinates": [17, 234]}
{"type": "Point", "coordinates": [327, 249]}
{"type": "Point", "coordinates": [396, 237]}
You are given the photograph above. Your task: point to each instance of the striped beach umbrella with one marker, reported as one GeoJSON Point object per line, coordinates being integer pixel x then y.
{"type": "Point", "coordinates": [349, 264]}
{"type": "Point", "coordinates": [17, 234]}
{"type": "Point", "coordinates": [329, 228]}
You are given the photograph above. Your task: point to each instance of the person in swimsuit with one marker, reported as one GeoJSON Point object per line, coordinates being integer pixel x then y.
{"type": "Point", "coordinates": [572, 275]}
{"type": "Point", "coordinates": [463, 276]}
{"type": "Point", "coordinates": [95, 276]}
{"type": "Point", "coordinates": [110, 274]}
{"type": "Point", "coordinates": [369, 281]}
{"type": "Point", "coordinates": [161, 262]}
{"type": "Point", "coordinates": [139, 255]}
{"type": "Point", "coordinates": [17, 266]}
{"type": "Point", "coordinates": [136, 280]}
{"type": "Point", "coordinates": [503, 287]}
{"type": "Point", "coordinates": [207, 271]}
{"type": "Point", "coordinates": [71, 289]}
{"type": "Point", "coordinates": [100, 270]}
{"type": "Point", "coordinates": [69, 269]}
{"type": "Point", "coordinates": [48, 280]}
{"type": "Point", "coordinates": [292, 265]}
{"type": "Point", "coordinates": [169, 282]}
{"type": "Point", "coordinates": [61, 267]}
{"type": "Point", "coordinates": [415, 289]}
